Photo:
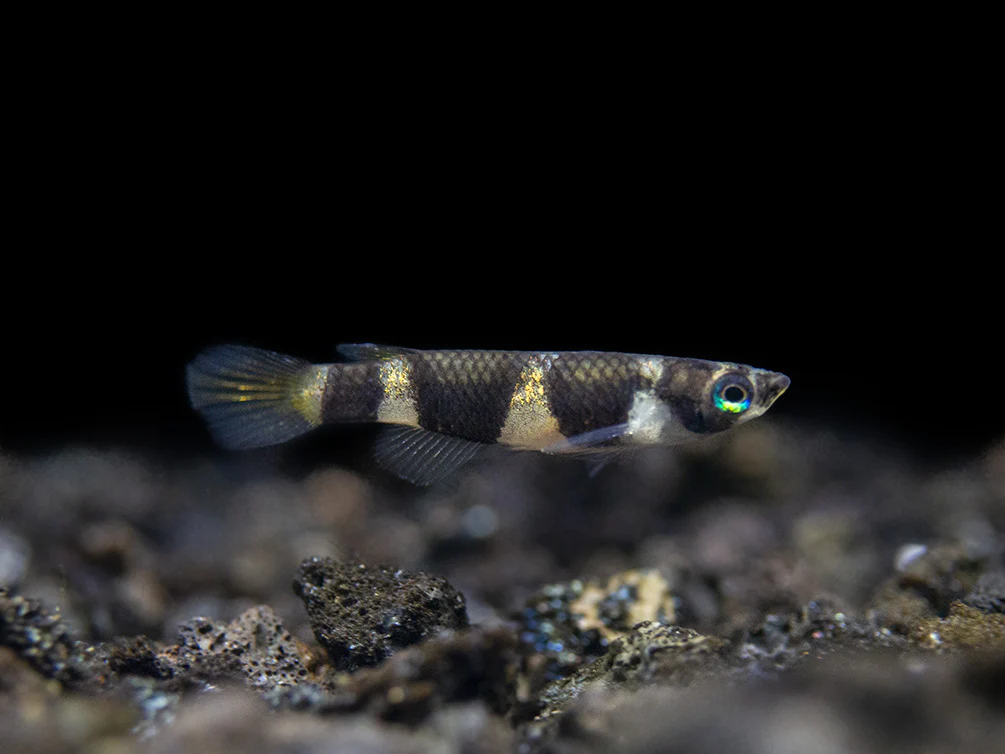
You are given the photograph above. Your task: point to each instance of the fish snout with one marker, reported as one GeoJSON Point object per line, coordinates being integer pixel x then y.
{"type": "Point", "coordinates": [775, 384]}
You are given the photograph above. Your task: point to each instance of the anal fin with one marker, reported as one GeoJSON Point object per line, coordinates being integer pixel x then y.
{"type": "Point", "coordinates": [421, 456]}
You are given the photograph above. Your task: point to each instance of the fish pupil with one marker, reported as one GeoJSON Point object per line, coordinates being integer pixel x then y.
{"type": "Point", "coordinates": [734, 394]}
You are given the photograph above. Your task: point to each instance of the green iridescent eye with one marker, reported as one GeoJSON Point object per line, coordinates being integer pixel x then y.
{"type": "Point", "coordinates": [732, 394]}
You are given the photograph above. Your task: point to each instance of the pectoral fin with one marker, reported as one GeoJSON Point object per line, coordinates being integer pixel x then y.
{"type": "Point", "coordinates": [595, 440]}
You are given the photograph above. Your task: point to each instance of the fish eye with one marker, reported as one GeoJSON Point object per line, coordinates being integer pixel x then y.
{"type": "Point", "coordinates": [732, 394]}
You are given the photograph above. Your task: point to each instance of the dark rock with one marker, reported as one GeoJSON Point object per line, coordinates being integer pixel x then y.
{"type": "Point", "coordinates": [863, 702]}
{"type": "Point", "coordinates": [650, 653]}
{"type": "Point", "coordinates": [964, 628]}
{"type": "Point", "coordinates": [475, 665]}
{"type": "Point", "coordinates": [37, 635]}
{"type": "Point", "coordinates": [925, 586]}
{"type": "Point", "coordinates": [363, 614]}
{"type": "Point", "coordinates": [988, 594]}
{"type": "Point", "coordinates": [253, 648]}
{"type": "Point", "coordinates": [779, 640]}
{"type": "Point", "coordinates": [137, 655]}
{"type": "Point", "coordinates": [653, 652]}
{"type": "Point", "coordinates": [478, 664]}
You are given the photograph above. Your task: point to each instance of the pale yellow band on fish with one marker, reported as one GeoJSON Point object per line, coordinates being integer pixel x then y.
{"type": "Point", "coordinates": [307, 396]}
{"type": "Point", "coordinates": [529, 423]}
{"type": "Point", "coordinates": [398, 404]}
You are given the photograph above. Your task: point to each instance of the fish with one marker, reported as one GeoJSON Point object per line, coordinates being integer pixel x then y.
{"type": "Point", "coordinates": [444, 407]}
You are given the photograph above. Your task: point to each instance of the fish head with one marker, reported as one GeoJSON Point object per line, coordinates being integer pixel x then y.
{"type": "Point", "coordinates": [709, 397]}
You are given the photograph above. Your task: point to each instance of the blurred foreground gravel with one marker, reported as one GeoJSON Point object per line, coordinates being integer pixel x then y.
{"type": "Point", "coordinates": [778, 589]}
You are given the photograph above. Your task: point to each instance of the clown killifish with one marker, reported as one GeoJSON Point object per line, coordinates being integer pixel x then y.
{"type": "Point", "coordinates": [447, 405]}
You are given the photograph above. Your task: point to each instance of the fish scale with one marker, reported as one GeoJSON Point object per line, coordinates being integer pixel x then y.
{"type": "Point", "coordinates": [590, 391]}
{"type": "Point", "coordinates": [464, 396]}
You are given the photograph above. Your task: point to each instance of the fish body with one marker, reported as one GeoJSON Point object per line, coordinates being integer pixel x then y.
{"type": "Point", "coordinates": [447, 405]}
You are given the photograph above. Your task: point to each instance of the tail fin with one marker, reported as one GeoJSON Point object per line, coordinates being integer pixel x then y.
{"type": "Point", "coordinates": [251, 398]}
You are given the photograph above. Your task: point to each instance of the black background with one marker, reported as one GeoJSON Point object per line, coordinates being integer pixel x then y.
{"type": "Point", "coordinates": [840, 234]}
{"type": "Point", "coordinates": [102, 359]}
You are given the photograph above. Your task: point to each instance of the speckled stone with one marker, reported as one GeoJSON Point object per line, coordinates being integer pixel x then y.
{"type": "Point", "coordinates": [254, 648]}
{"type": "Point", "coordinates": [564, 626]}
{"type": "Point", "coordinates": [649, 653]}
{"type": "Point", "coordinates": [363, 614]}
{"type": "Point", "coordinates": [37, 635]}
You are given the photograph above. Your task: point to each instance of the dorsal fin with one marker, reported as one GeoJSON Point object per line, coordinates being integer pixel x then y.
{"type": "Point", "coordinates": [370, 351]}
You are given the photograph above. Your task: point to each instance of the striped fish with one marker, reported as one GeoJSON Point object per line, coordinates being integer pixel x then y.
{"type": "Point", "coordinates": [445, 406]}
